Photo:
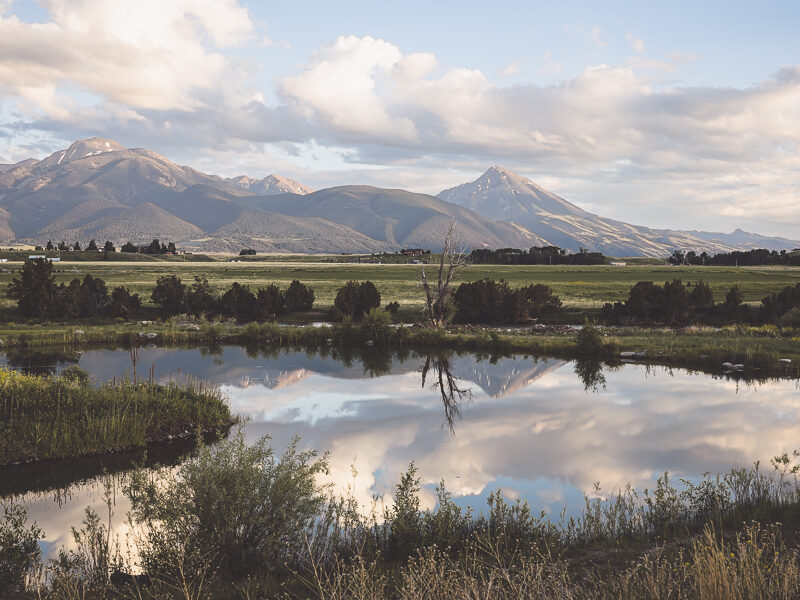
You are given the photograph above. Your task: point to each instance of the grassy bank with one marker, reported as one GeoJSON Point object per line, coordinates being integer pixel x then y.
{"type": "Point", "coordinates": [59, 417]}
{"type": "Point", "coordinates": [758, 348]}
{"type": "Point", "coordinates": [237, 521]}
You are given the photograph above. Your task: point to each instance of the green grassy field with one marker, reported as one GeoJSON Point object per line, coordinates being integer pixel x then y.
{"type": "Point", "coordinates": [578, 286]}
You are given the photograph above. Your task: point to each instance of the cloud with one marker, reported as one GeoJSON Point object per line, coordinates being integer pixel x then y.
{"type": "Point", "coordinates": [698, 140]}
{"type": "Point", "coordinates": [163, 75]}
{"type": "Point", "coordinates": [348, 86]}
{"type": "Point", "coordinates": [596, 37]}
{"type": "Point", "coordinates": [636, 43]}
{"type": "Point", "coordinates": [145, 54]}
{"type": "Point", "coordinates": [510, 70]}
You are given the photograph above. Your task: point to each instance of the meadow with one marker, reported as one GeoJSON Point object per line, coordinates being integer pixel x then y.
{"type": "Point", "coordinates": [579, 287]}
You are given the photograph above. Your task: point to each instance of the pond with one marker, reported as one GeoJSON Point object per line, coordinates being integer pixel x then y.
{"type": "Point", "coordinates": [541, 430]}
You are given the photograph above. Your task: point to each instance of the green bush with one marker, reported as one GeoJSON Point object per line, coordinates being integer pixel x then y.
{"type": "Point", "coordinates": [489, 301]}
{"type": "Point", "coordinates": [299, 297]}
{"type": "Point", "coordinates": [19, 547]}
{"type": "Point", "coordinates": [354, 299]}
{"type": "Point", "coordinates": [589, 340]}
{"type": "Point", "coordinates": [75, 374]}
{"type": "Point", "coordinates": [234, 508]}
{"type": "Point", "coordinates": [790, 318]}
{"type": "Point", "coordinates": [376, 326]}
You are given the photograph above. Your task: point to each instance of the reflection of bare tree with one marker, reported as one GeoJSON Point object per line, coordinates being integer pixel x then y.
{"type": "Point", "coordinates": [447, 384]}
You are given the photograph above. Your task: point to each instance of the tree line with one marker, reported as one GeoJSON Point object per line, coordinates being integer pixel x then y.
{"type": "Point", "coordinates": [38, 296]}
{"type": "Point", "coordinates": [483, 301]}
{"type": "Point", "coordinates": [737, 258]}
{"type": "Point", "coordinates": [544, 255]}
{"type": "Point", "coordinates": [154, 247]}
{"type": "Point", "coordinates": [676, 302]}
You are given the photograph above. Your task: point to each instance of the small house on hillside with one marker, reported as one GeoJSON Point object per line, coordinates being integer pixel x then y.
{"type": "Point", "coordinates": [412, 252]}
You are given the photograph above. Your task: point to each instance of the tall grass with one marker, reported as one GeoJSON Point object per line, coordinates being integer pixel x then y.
{"type": "Point", "coordinates": [239, 522]}
{"type": "Point", "coordinates": [43, 417]}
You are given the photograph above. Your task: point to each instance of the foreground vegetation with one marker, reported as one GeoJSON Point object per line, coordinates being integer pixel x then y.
{"type": "Point", "coordinates": [237, 521]}
{"type": "Point", "coordinates": [43, 417]}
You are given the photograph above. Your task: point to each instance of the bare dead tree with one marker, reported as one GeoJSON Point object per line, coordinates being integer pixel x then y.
{"type": "Point", "coordinates": [437, 294]}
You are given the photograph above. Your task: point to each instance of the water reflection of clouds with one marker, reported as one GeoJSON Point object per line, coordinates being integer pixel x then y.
{"type": "Point", "coordinates": [642, 424]}
{"type": "Point", "coordinates": [531, 429]}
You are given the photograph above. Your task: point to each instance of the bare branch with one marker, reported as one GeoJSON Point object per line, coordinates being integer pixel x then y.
{"type": "Point", "coordinates": [450, 261]}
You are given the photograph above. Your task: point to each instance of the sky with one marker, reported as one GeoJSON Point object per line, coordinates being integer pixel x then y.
{"type": "Point", "coordinates": [683, 115]}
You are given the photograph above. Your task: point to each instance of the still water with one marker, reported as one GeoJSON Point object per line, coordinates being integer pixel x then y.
{"type": "Point", "coordinates": [540, 430]}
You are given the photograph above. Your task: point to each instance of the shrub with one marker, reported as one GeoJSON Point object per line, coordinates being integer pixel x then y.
{"type": "Point", "coordinates": [354, 299]}
{"type": "Point", "coordinates": [589, 340]}
{"type": "Point", "coordinates": [701, 298]}
{"type": "Point", "coordinates": [238, 302]}
{"type": "Point", "coordinates": [791, 318]}
{"type": "Point", "coordinates": [75, 374]}
{"type": "Point", "coordinates": [376, 326]}
{"type": "Point", "coordinates": [123, 303]}
{"type": "Point", "coordinates": [35, 288]}
{"type": "Point", "coordinates": [19, 547]}
{"type": "Point", "coordinates": [299, 297]}
{"type": "Point", "coordinates": [392, 308]}
{"type": "Point", "coordinates": [489, 301]}
{"type": "Point", "coordinates": [169, 294]}
{"type": "Point", "coordinates": [233, 507]}
{"type": "Point", "coordinates": [271, 302]}
{"type": "Point", "coordinates": [775, 305]}
{"type": "Point", "coordinates": [200, 297]}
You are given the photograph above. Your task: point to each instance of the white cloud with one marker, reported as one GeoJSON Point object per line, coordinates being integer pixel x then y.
{"type": "Point", "coordinates": [510, 70]}
{"type": "Point", "coordinates": [348, 86]}
{"type": "Point", "coordinates": [596, 37]}
{"type": "Point", "coordinates": [688, 139]}
{"type": "Point", "coordinates": [160, 74]}
{"type": "Point", "coordinates": [146, 54]}
{"type": "Point", "coordinates": [636, 43]}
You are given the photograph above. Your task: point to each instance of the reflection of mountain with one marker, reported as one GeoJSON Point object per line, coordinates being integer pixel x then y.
{"type": "Point", "coordinates": [233, 367]}
{"type": "Point", "coordinates": [503, 376]}
{"type": "Point", "coordinates": [281, 380]}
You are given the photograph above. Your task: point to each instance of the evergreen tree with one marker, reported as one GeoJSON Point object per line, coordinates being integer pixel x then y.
{"type": "Point", "coordinates": [299, 297]}
{"type": "Point", "coordinates": [92, 245]}
{"type": "Point", "coordinates": [169, 294]}
{"type": "Point", "coordinates": [35, 288]}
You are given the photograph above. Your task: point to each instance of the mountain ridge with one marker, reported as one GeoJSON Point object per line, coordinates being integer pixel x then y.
{"type": "Point", "coordinates": [501, 194]}
{"type": "Point", "coordinates": [96, 188]}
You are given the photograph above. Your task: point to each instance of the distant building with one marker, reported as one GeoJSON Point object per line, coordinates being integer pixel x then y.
{"type": "Point", "coordinates": [412, 252]}
{"type": "Point", "coordinates": [35, 256]}
{"type": "Point", "coordinates": [618, 263]}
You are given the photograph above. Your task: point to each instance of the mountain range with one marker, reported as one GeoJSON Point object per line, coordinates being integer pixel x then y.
{"type": "Point", "coordinates": [502, 195]}
{"type": "Point", "coordinates": [98, 189]}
